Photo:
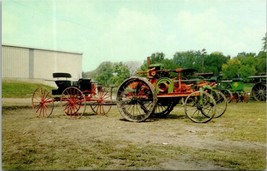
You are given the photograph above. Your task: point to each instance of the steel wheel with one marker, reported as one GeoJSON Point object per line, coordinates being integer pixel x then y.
{"type": "Point", "coordinates": [259, 92]}
{"type": "Point", "coordinates": [235, 97]}
{"type": "Point", "coordinates": [244, 97]}
{"type": "Point", "coordinates": [136, 99]}
{"type": "Point", "coordinates": [228, 94]}
{"type": "Point", "coordinates": [42, 102]}
{"type": "Point", "coordinates": [221, 103]}
{"type": "Point", "coordinates": [163, 107]}
{"type": "Point", "coordinates": [73, 102]}
{"type": "Point", "coordinates": [102, 105]}
{"type": "Point", "coordinates": [200, 107]}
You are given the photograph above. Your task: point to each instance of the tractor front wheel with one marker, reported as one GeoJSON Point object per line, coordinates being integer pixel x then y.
{"type": "Point", "coordinates": [136, 99]}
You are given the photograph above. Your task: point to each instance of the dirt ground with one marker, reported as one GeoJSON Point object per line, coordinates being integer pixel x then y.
{"type": "Point", "coordinates": [176, 130]}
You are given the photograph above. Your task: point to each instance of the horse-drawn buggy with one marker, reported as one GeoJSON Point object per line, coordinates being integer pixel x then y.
{"type": "Point", "coordinates": [73, 96]}
{"type": "Point", "coordinates": [157, 94]}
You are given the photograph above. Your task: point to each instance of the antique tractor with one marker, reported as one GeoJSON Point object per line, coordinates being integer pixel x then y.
{"type": "Point", "coordinates": [258, 91]}
{"type": "Point", "coordinates": [157, 94]}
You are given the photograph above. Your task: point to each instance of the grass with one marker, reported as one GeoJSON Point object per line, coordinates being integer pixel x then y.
{"type": "Point", "coordinates": [98, 143]}
{"type": "Point", "coordinates": [20, 89]}
{"type": "Point", "coordinates": [30, 143]}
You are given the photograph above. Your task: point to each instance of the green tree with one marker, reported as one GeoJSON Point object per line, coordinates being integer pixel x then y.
{"type": "Point", "coordinates": [120, 73]}
{"type": "Point", "coordinates": [188, 59]}
{"type": "Point", "coordinates": [264, 47]}
{"type": "Point", "coordinates": [261, 62]}
{"type": "Point", "coordinates": [103, 73]}
{"type": "Point", "coordinates": [214, 61]}
{"type": "Point", "coordinates": [231, 68]}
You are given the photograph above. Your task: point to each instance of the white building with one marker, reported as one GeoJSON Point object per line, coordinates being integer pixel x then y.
{"type": "Point", "coordinates": [34, 64]}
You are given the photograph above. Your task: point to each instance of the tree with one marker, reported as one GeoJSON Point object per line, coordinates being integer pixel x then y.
{"type": "Point", "coordinates": [264, 47]}
{"type": "Point", "coordinates": [103, 73]}
{"type": "Point", "coordinates": [120, 73]}
{"type": "Point", "coordinates": [243, 65]}
{"type": "Point", "coordinates": [188, 59]}
{"type": "Point", "coordinates": [231, 68]}
{"type": "Point", "coordinates": [214, 61]}
{"type": "Point", "coordinates": [260, 62]}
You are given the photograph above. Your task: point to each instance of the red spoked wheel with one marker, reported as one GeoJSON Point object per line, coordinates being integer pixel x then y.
{"type": "Point", "coordinates": [42, 102]}
{"type": "Point", "coordinates": [103, 103]}
{"type": "Point", "coordinates": [73, 102]}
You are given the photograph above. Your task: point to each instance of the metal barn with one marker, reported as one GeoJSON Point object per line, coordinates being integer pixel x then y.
{"type": "Point", "coordinates": [24, 63]}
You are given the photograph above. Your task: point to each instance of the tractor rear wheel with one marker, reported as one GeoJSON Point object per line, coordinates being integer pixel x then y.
{"type": "Point", "coordinates": [259, 92]}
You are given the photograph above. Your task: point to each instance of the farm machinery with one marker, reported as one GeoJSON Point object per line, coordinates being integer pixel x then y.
{"type": "Point", "coordinates": [258, 91]}
{"type": "Point", "coordinates": [73, 97]}
{"type": "Point", "coordinates": [157, 94]}
{"type": "Point", "coordinates": [233, 89]}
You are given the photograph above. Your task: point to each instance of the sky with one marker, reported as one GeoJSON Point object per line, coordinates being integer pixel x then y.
{"type": "Point", "coordinates": [132, 30]}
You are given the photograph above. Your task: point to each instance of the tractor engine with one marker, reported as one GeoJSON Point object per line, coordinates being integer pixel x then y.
{"type": "Point", "coordinates": [164, 85]}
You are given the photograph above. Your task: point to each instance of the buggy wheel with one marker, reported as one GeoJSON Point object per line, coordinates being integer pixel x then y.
{"type": "Point", "coordinates": [42, 102]}
{"type": "Point", "coordinates": [221, 103]}
{"type": "Point", "coordinates": [102, 105]}
{"type": "Point", "coordinates": [136, 99]}
{"type": "Point", "coordinates": [228, 94]}
{"type": "Point", "coordinates": [200, 107]}
{"type": "Point", "coordinates": [73, 102]}
{"type": "Point", "coordinates": [259, 92]}
{"type": "Point", "coordinates": [163, 108]}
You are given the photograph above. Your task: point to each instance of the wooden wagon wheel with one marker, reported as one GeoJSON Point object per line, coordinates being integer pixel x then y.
{"type": "Point", "coordinates": [259, 92]}
{"type": "Point", "coordinates": [200, 107]}
{"type": "Point", "coordinates": [73, 102]}
{"type": "Point", "coordinates": [136, 99]}
{"type": "Point", "coordinates": [42, 102]}
{"type": "Point", "coordinates": [103, 104]}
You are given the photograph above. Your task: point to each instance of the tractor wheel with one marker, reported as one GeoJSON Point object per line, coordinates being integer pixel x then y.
{"type": "Point", "coordinates": [221, 102]}
{"type": "Point", "coordinates": [136, 99]}
{"type": "Point", "coordinates": [235, 97]}
{"type": "Point", "coordinates": [73, 102]}
{"type": "Point", "coordinates": [163, 108]}
{"type": "Point", "coordinates": [200, 107]}
{"type": "Point", "coordinates": [42, 102]}
{"type": "Point", "coordinates": [244, 97]}
{"type": "Point", "coordinates": [259, 92]}
{"type": "Point", "coordinates": [102, 106]}
{"type": "Point", "coordinates": [228, 94]}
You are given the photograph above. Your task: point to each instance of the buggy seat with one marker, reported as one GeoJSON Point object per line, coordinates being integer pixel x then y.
{"type": "Point", "coordinates": [85, 84]}
{"type": "Point", "coordinates": [61, 84]}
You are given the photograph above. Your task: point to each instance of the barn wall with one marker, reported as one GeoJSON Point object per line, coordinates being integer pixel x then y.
{"type": "Point", "coordinates": [15, 62]}
{"type": "Point", "coordinates": [38, 64]}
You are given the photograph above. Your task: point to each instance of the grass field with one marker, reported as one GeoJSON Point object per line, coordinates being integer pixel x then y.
{"type": "Point", "coordinates": [236, 141]}
{"type": "Point", "coordinates": [19, 89]}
